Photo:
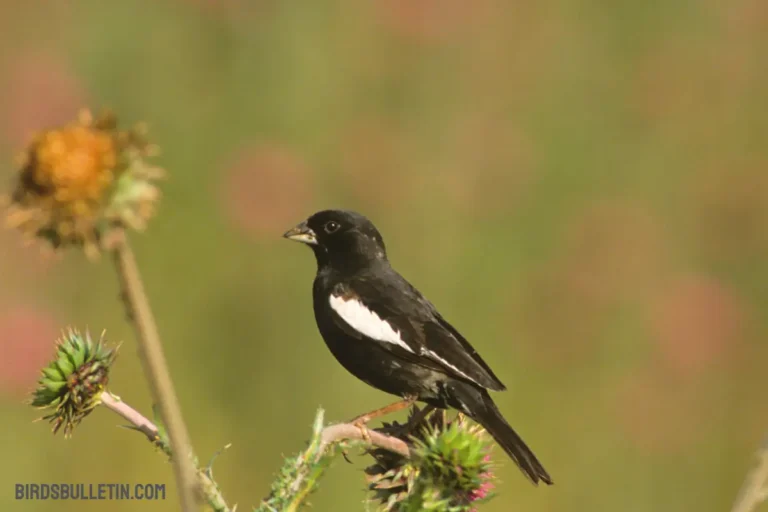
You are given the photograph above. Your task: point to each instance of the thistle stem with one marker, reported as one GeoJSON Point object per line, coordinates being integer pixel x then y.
{"type": "Point", "coordinates": [295, 483]}
{"type": "Point", "coordinates": [134, 417]}
{"type": "Point", "coordinates": [349, 431]}
{"type": "Point", "coordinates": [156, 369]}
{"type": "Point", "coordinates": [755, 488]}
{"type": "Point", "coordinates": [145, 426]}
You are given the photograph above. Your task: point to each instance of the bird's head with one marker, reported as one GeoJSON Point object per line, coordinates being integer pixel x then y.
{"type": "Point", "coordinates": [342, 238]}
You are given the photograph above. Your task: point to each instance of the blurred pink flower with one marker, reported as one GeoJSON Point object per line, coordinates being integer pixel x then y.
{"type": "Point", "coordinates": [492, 165]}
{"type": "Point", "coordinates": [216, 5]}
{"type": "Point", "coordinates": [267, 189]}
{"type": "Point", "coordinates": [696, 321]}
{"type": "Point", "coordinates": [614, 250]}
{"type": "Point", "coordinates": [428, 21]}
{"type": "Point", "coordinates": [687, 95]}
{"type": "Point", "coordinates": [373, 163]}
{"type": "Point", "coordinates": [662, 88]}
{"type": "Point", "coordinates": [730, 203]}
{"type": "Point", "coordinates": [747, 24]}
{"type": "Point", "coordinates": [232, 8]}
{"type": "Point", "coordinates": [659, 416]}
{"type": "Point", "coordinates": [744, 34]}
{"type": "Point", "coordinates": [22, 264]}
{"type": "Point", "coordinates": [558, 323]}
{"type": "Point", "coordinates": [41, 90]}
{"type": "Point", "coordinates": [27, 339]}
{"type": "Point", "coordinates": [611, 254]}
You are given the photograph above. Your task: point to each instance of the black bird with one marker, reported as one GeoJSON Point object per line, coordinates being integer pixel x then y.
{"type": "Point", "coordinates": [384, 332]}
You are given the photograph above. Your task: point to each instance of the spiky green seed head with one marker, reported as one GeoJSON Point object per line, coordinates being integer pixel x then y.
{"type": "Point", "coordinates": [73, 382]}
{"type": "Point", "coordinates": [449, 469]}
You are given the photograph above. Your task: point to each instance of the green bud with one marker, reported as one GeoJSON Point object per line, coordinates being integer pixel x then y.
{"type": "Point", "coordinates": [72, 384]}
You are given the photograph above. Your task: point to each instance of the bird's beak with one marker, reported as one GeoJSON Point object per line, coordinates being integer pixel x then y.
{"type": "Point", "coordinates": [301, 233]}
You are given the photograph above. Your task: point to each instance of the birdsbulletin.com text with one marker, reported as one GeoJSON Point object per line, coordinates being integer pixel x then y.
{"type": "Point", "coordinates": [91, 491]}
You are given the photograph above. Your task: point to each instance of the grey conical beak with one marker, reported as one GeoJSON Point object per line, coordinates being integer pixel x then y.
{"type": "Point", "coordinates": [301, 233]}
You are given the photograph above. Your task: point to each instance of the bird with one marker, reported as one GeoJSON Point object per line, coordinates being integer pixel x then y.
{"type": "Point", "coordinates": [383, 331]}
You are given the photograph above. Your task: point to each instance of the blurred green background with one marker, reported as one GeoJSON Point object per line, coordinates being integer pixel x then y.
{"type": "Point", "coordinates": [580, 187]}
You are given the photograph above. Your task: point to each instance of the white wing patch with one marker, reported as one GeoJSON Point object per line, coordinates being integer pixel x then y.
{"type": "Point", "coordinates": [434, 355]}
{"type": "Point", "coordinates": [366, 322]}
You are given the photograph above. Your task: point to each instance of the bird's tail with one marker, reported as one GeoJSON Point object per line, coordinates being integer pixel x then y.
{"type": "Point", "coordinates": [488, 415]}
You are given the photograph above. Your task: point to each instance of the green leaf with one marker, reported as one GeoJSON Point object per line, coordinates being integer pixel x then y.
{"type": "Point", "coordinates": [65, 366]}
{"type": "Point", "coordinates": [53, 386]}
{"type": "Point", "coordinates": [53, 373]}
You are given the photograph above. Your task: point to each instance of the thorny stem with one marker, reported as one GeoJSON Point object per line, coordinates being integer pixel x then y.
{"type": "Point", "coordinates": [156, 369]}
{"type": "Point", "coordinates": [322, 441]}
{"type": "Point", "coordinates": [348, 431]}
{"type": "Point", "coordinates": [134, 417]}
{"type": "Point", "coordinates": [145, 426]}
{"type": "Point", "coordinates": [755, 488]}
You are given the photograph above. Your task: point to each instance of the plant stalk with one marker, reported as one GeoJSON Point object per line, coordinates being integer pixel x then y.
{"type": "Point", "coordinates": [755, 488]}
{"type": "Point", "coordinates": [156, 370]}
{"type": "Point", "coordinates": [139, 422]}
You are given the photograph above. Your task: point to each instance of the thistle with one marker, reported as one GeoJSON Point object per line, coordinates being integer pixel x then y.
{"type": "Point", "coordinates": [449, 469]}
{"type": "Point", "coordinates": [300, 475]}
{"type": "Point", "coordinates": [73, 383]}
{"type": "Point", "coordinates": [79, 183]}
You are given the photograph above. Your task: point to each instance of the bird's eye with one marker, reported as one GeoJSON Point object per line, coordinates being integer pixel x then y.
{"type": "Point", "coordinates": [331, 226]}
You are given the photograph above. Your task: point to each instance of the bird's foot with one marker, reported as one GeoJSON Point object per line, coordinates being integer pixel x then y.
{"type": "Point", "coordinates": [383, 411]}
{"type": "Point", "coordinates": [361, 424]}
{"type": "Point", "coordinates": [362, 421]}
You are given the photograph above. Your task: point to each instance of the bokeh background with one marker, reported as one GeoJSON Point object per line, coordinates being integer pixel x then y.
{"type": "Point", "coordinates": [581, 188]}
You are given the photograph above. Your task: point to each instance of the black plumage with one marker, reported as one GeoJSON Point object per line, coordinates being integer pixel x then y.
{"type": "Point", "coordinates": [387, 334]}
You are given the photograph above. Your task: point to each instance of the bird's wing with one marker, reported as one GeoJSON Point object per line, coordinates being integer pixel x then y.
{"type": "Point", "coordinates": [394, 314]}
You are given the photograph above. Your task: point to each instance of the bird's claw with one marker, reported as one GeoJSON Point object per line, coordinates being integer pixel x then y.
{"type": "Point", "coordinates": [361, 426]}
{"type": "Point", "coordinates": [345, 455]}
